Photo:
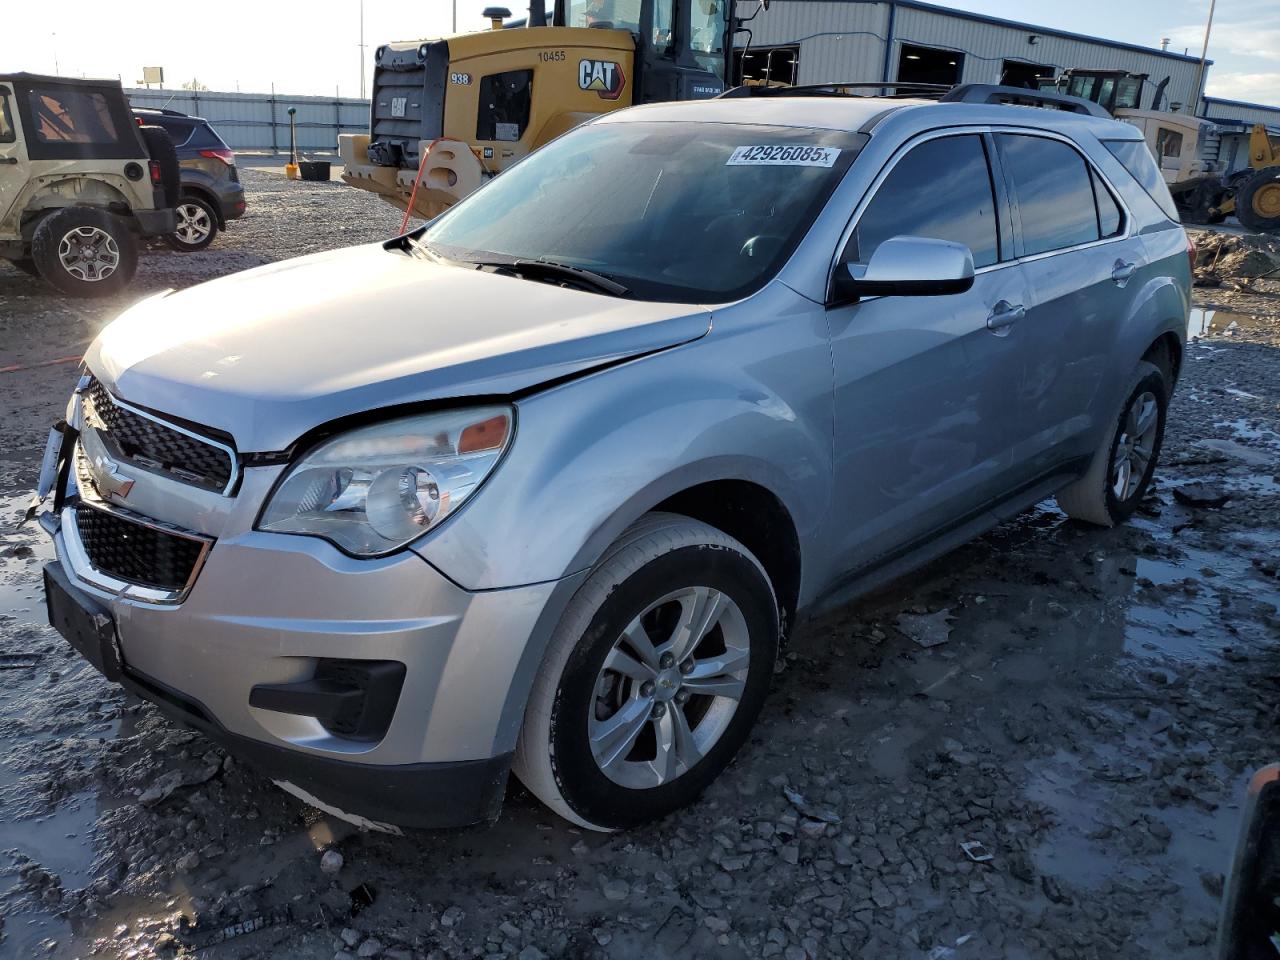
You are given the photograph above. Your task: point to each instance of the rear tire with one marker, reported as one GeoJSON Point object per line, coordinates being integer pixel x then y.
{"type": "Point", "coordinates": [1106, 495]}
{"type": "Point", "coordinates": [85, 252]}
{"type": "Point", "coordinates": [677, 608]}
{"type": "Point", "coordinates": [197, 225]}
{"type": "Point", "coordinates": [1258, 201]}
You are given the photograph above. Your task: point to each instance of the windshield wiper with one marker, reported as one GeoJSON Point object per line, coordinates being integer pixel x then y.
{"type": "Point", "coordinates": [549, 269]}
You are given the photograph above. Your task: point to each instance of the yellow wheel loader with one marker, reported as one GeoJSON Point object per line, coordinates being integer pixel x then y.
{"type": "Point", "coordinates": [448, 114]}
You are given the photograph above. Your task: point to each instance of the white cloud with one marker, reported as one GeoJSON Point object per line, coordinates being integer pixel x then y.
{"type": "Point", "coordinates": [1238, 39]}
{"type": "Point", "coordinates": [1251, 87]}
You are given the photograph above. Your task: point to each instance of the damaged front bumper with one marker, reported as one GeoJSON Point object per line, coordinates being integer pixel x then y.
{"type": "Point", "coordinates": [378, 690]}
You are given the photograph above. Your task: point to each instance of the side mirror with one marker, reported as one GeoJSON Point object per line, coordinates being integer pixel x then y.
{"type": "Point", "coordinates": [906, 267]}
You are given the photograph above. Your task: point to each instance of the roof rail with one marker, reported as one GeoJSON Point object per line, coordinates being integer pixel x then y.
{"type": "Point", "coordinates": [838, 89]}
{"type": "Point", "coordinates": [1021, 96]}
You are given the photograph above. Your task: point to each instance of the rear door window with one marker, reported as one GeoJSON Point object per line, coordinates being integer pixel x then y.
{"type": "Point", "coordinates": [1052, 187]}
{"type": "Point", "coordinates": [941, 190]}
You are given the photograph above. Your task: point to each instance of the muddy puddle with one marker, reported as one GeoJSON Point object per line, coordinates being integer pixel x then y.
{"type": "Point", "coordinates": [1206, 322]}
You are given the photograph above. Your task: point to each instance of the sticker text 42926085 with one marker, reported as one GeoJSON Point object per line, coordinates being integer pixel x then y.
{"type": "Point", "coordinates": [783, 156]}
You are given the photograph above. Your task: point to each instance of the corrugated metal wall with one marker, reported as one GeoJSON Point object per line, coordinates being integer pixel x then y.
{"type": "Point", "coordinates": [1217, 109]}
{"type": "Point", "coordinates": [845, 40]}
{"type": "Point", "coordinates": [260, 121]}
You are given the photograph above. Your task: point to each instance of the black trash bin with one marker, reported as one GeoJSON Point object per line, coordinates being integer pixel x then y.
{"type": "Point", "coordinates": [313, 169]}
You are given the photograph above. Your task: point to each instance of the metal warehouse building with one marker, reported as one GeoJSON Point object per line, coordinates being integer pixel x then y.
{"type": "Point", "coordinates": [823, 41]}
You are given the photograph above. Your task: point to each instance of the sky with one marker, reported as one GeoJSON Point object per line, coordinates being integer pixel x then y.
{"type": "Point", "coordinates": [313, 48]}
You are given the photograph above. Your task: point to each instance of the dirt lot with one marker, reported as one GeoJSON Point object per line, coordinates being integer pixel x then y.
{"type": "Point", "coordinates": [1090, 719]}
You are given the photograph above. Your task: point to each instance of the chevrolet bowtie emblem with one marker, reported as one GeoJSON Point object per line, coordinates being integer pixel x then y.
{"type": "Point", "coordinates": [108, 481]}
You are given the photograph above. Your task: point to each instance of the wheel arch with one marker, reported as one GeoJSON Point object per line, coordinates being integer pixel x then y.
{"type": "Point", "coordinates": [1166, 353]}
{"type": "Point", "coordinates": [201, 192]}
{"type": "Point", "coordinates": [86, 192]}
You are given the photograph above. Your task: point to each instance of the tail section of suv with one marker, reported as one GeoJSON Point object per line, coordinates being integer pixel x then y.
{"type": "Point", "coordinates": [723, 364]}
{"type": "Point", "coordinates": [211, 192]}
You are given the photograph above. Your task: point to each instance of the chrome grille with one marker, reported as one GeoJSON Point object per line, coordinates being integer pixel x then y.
{"type": "Point", "coordinates": [149, 443]}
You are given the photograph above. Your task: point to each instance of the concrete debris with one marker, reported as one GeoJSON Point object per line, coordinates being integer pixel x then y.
{"type": "Point", "coordinates": [975, 851]}
{"type": "Point", "coordinates": [928, 630]}
{"type": "Point", "coordinates": [824, 815]}
{"type": "Point", "coordinates": [1201, 495]}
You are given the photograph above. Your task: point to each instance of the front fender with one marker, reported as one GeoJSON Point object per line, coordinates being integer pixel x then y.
{"type": "Point", "coordinates": [750, 401]}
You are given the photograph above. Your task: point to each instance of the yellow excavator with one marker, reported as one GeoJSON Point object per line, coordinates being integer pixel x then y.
{"type": "Point", "coordinates": [448, 114]}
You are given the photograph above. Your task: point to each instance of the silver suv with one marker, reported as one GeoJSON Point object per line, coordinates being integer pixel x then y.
{"type": "Point", "coordinates": [545, 484]}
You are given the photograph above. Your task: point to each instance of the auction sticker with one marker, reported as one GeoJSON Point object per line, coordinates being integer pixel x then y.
{"type": "Point", "coordinates": [783, 156]}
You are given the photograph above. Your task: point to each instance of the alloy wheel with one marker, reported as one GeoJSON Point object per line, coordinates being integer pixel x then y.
{"type": "Point", "coordinates": [1135, 445]}
{"type": "Point", "coordinates": [669, 687]}
{"type": "Point", "coordinates": [89, 253]}
{"type": "Point", "coordinates": [194, 224]}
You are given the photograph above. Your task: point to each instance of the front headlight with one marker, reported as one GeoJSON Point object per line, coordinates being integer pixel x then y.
{"type": "Point", "coordinates": [373, 490]}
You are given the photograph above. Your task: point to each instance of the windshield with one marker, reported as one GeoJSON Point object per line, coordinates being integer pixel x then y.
{"type": "Point", "coordinates": [615, 14]}
{"type": "Point", "coordinates": [706, 34]}
{"type": "Point", "coordinates": [674, 211]}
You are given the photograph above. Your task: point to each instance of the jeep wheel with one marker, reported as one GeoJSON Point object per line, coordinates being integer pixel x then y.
{"type": "Point", "coordinates": [85, 252]}
{"type": "Point", "coordinates": [1123, 465]}
{"type": "Point", "coordinates": [653, 677]}
{"type": "Point", "coordinates": [197, 226]}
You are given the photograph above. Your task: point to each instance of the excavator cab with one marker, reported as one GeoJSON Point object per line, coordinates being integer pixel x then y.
{"type": "Point", "coordinates": [448, 114]}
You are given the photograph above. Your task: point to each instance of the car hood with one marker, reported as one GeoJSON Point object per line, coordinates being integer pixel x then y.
{"type": "Point", "coordinates": [268, 354]}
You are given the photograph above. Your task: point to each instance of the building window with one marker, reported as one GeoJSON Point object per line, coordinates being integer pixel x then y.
{"type": "Point", "coordinates": [929, 65]}
{"type": "Point", "coordinates": [772, 64]}
{"type": "Point", "coordinates": [1016, 73]}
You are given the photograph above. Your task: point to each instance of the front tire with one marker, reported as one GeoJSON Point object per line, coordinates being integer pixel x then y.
{"type": "Point", "coordinates": [197, 225]}
{"type": "Point", "coordinates": [85, 252]}
{"type": "Point", "coordinates": [1258, 201]}
{"type": "Point", "coordinates": [653, 678]}
{"type": "Point", "coordinates": [1121, 469]}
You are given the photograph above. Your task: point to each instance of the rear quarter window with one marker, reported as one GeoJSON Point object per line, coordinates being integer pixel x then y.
{"type": "Point", "coordinates": [72, 116]}
{"type": "Point", "coordinates": [1136, 158]}
{"type": "Point", "coordinates": [204, 137]}
{"type": "Point", "coordinates": [179, 131]}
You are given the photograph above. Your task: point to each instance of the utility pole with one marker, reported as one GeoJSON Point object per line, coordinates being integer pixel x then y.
{"type": "Point", "coordinates": [56, 68]}
{"type": "Point", "coordinates": [1198, 93]}
{"type": "Point", "coordinates": [362, 90]}
{"type": "Point", "coordinates": [455, 17]}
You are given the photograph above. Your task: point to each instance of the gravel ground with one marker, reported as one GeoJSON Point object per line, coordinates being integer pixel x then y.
{"type": "Point", "coordinates": [1090, 720]}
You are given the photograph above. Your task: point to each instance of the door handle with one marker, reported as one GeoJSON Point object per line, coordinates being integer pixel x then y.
{"type": "Point", "coordinates": [1004, 315]}
{"type": "Point", "coordinates": [1122, 272]}
{"type": "Point", "coordinates": [8, 159]}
